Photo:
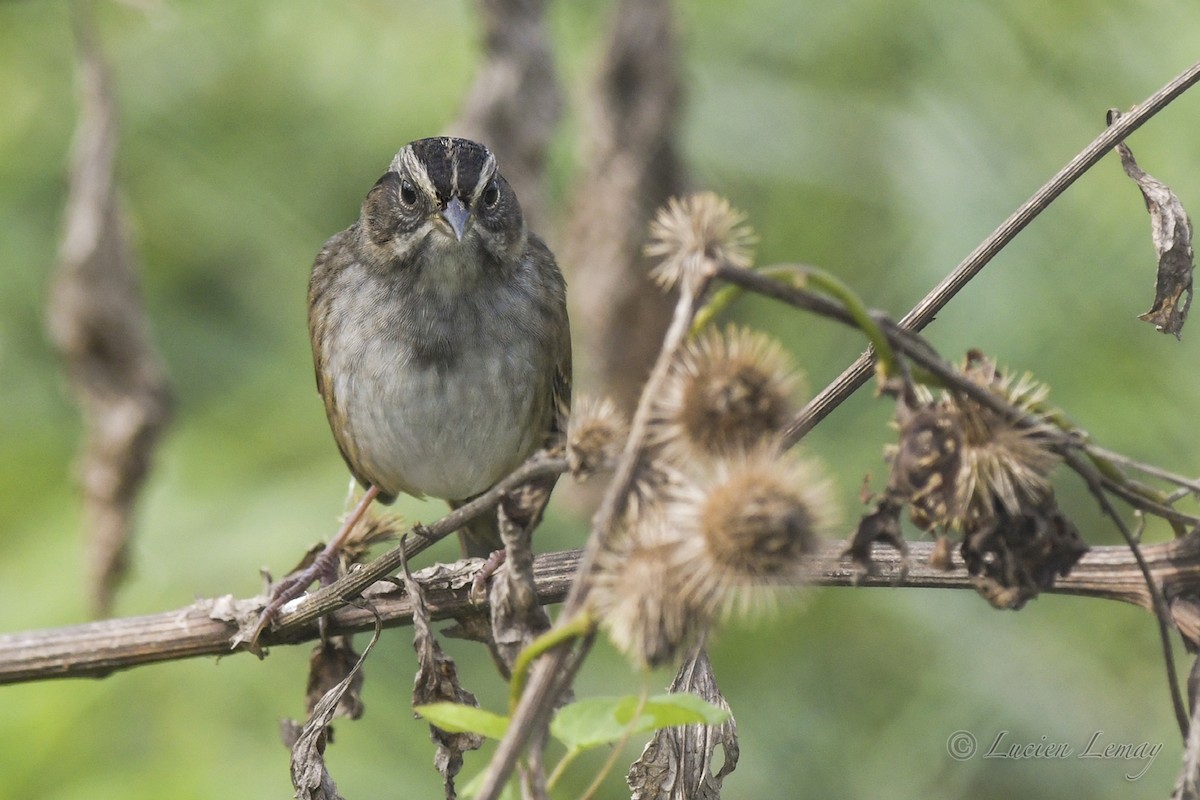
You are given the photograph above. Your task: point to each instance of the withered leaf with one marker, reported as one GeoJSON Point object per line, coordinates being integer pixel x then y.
{"type": "Point", "coordinates": [677, 763]}
{"type": "Point", "coordinates": [1171, 230]}
{"type": "Point", "coordinates": [1013, 557]}
{"type": "Point", "coordinates": [310, 778]}
{"type": "Point", "coordinates": [437, 681]}
{"type": "Point", "coordinates": [1187, 784]}
{"type": "Point", "coordinates": [333, 661]}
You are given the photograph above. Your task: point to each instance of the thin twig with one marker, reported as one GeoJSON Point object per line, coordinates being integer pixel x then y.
{"type": "Point", "coordinates": [1191, 484]}
{"type": "Point", "coordinates": [337, 594]}
{"type": "Point", "coordinates": [923, 313]}
{"type": "Point", "coordinates": [625, 471]}
{"type": "Point", "coordinates": [1161, 612]}
{"type": "Point", "coordinates": [920, 352]}
{"type": "Point", "coordinates": [546, 683]}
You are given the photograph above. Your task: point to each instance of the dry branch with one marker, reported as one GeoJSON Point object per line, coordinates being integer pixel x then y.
{"type": "Point", "coordinates": [97, 649]}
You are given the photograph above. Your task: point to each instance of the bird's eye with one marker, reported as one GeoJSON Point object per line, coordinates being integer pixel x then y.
{"type": "Point", "coordinates": [408, 195]}
{"type": "Point", "coordinates": [491, 194]}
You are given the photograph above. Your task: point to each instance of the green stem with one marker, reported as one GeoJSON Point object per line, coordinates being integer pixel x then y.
{"type": "Point", "coordinates": [561, 767]}
{"type": "Point", "coordinates": [823, 281]}
{"type": "Point", "coordinates": [724, 297]}
{"type": "Point", "coordinates": [619, 745]}
{"type": "Point", "coordinates": [577, 627]}
{"type": "Point", "coordinates": [854, 305]}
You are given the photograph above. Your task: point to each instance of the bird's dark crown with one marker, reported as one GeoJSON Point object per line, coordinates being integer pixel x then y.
{"type": "Point", "coordinates": [448, 167]}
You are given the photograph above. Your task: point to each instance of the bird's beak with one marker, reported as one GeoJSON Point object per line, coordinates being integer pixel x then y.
{"type": "Point", "coordinates": [456, 214]}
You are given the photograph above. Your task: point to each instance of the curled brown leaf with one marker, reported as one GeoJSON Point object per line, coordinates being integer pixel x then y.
{"type": "Point", "coordinates": [437, 681]}
{"type": "Point", "coordinates": [1171, 230]}
{"type": "Point", "coordinates": [310, 777]}
{"type": "Point", "coordinates": [681, 761]}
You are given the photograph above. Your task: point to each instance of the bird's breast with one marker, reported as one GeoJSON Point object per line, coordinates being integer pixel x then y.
{"type": "Point", "coordinates": [439, 400]}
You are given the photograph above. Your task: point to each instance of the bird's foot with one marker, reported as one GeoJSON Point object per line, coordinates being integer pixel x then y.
{"type": "Point", "coordinates": [490, 565]}
{"type": "Point", "coordinates": [322, 568]}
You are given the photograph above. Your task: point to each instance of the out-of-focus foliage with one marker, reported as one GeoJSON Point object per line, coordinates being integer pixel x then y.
{"type": "Point", "coordinates": [881, 140]}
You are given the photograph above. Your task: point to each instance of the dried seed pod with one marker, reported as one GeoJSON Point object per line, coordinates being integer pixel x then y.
{"type": "Point", "coordinates": [747, 526]}
{"type": "Point", "coordinates": [639, 595]}
{"type": "Point", "coordinates": [965, 468]}
{"type": "Point", "coordinates": [595, 434]}
{"type": "Point", "coordinates": [957, 459]}
{"type": "Point", "coordinates": [1003, 462]}
{"type": "Point", "coordinates": [1013, 557]}
{"type": "Point", "coordinates": [730, 392]}
{"type": "Point", "coordinates": [694, 235]}
{"type": "Point", "coordinates": [926, 464]}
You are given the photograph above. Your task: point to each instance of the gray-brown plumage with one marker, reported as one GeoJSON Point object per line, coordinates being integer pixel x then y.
{"type": "Point", "coordinates": [439, 332]}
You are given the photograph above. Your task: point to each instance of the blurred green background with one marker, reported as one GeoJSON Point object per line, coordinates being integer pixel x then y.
{"type": "Point", "coordinates": [882, 140]}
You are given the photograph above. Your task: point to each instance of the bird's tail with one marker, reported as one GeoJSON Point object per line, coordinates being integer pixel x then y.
{"type": "Point", "coordinates": [481, 536]}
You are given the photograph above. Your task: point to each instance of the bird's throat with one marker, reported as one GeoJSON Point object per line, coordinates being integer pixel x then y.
{"type": "Point", "coordinates": [450, 266]}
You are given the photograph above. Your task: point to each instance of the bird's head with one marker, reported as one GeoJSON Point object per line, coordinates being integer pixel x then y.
{"type": "Point", "coordinates": [442, 206]}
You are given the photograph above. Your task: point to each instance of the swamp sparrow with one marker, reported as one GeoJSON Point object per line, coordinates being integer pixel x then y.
{"type": "Point", "coordinates": [439, 335]}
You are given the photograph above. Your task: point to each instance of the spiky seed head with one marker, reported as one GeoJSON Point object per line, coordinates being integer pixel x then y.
{"type": "Point", "coordinates": [1002, 462]}
{"type": "Point", "coordinates": [702, 547]}
{"type": "Point", "coordinates": [595, 434]}
{"type": "Point", "coordinates": [957, 461]}
{"type": "Point", "coordinates": [639, 595]}
{"type": "Point", "coordinates": [694, 235]}
{"type": "Point", "coordinates": [729, 392]}
{"type": "Point", "coordinates": [757, 529]}
{"type": "Point", "coordinates": [749, 525]}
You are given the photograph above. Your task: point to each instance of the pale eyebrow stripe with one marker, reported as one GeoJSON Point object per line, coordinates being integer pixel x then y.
{"type": "Point", "coordinates": [407, 163]}
{"type": "Point", "coordinates": [485, 174]}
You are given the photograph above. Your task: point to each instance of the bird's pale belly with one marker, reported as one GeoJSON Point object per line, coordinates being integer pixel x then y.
{"type": "Point", "coordinates": [448, 431]}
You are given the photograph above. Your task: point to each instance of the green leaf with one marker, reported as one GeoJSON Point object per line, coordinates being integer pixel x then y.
{"type": "Point", "coordinates": [598, 721]}
{"type": "Point", "coordinates": [590, 722]}
{"type": "Point", "coordinates": [682, 708]}
{"type": "Point", "coordinates": [458, 718]}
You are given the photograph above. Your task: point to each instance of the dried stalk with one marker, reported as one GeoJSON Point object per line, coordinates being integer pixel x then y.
{"type": "Point", "coordinates": [515, 103]}
{"type": "Point", "coordinates": [204, 628]}
{"type": "Point", "coordinates": [96, 321]}
{"type": "Point", "coordinates": [632, 168]}
{"type": "Point", "coordinates": [336, 595]}
{"type": "Point", "coordinates": [547, 681]}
